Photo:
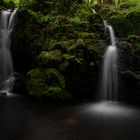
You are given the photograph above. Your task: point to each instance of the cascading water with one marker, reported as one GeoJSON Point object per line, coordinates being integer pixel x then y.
{"type": "Point", "coordinates": [7, 23]}
{"type": "Point", "coordinates": [93, 10]}
{"type": "Point", "coordinates": [109, 74]}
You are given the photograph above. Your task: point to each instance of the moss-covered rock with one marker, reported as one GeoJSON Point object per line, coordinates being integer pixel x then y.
{"type": "Point", "coordinates": [50, 58]}
{"type": "Point", "coordinates": [49, 83]}
{"type": "Point", "coordinates": [54, 77]}
{"type": "Point", "coordinates": [36, 82]}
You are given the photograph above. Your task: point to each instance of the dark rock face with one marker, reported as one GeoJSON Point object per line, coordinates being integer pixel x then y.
{"type": "Point", "coordinates": [3, 93]}
{"type": "Point", "coordinates": [128, 72]}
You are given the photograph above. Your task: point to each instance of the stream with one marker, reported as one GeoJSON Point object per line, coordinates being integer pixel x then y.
{"type": "Point", "coordinates": [25, 119]}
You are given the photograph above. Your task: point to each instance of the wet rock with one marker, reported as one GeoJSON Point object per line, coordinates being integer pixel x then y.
{"type": "Point", "coordinates": [3, 93]}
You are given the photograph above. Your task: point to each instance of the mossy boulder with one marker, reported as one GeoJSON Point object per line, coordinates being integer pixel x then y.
{"type": "Point", "coordinates": [54, 77]}
{"type": "Point", "coordinates": [49, 83]}
{"type": "Point", "coordinates": [50, 58]}
{"type": "Point", "coordinates": [36, 82]}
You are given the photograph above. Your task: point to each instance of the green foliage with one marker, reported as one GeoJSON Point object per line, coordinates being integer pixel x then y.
{"type": "Point", "coordinates": [68, 56]}
{"type": "Point", "coordinates": [13, 2]}
{"type": "Point", "coordinates": [63, 38]}
{"type": "Point", "coordinates": [47, 19]}
{"type": "Point", "coordinates": [73, 58]}
{"type": "Point", "coordinates": [79, 43]}
{"type": "Point", "coordinates": [57, 93]}
{"type": "Point", "coordinates": [134, 39]}
{"type": "Point", "coordinates": [83, 12]}
{"type": "Point", "coordinates": [79, 24]}
{"type": "Point", "coordinates": [122, 26]}
{"type": "Point", "coordinates": [87, 35]}
{"type": "Point", "coordinates": [50, 44]}
{"type": "Point", "coordinates": [28, 4]}
{"type": "Point", "coordinates": [2, 8]}
{"type": "Point", "coordinates": [50, 58]}
{"type": "Point", "coordinates": [130, 5]}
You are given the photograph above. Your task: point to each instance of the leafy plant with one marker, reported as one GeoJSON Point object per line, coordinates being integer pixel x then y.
{"type": "Point", "coordinates": [15, 2]}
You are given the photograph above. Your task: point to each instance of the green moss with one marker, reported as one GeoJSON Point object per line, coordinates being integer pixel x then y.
{"type": "Point", "coordinates": [54, 77]}
{"type": "Point", "coordinates": [36, 82]}
{"type": "Point", "coordinates": [48, 82]}
{"type": "Point", "coordinates": [50, 44]}
{"type": "Point", "coordinates": [57, 93]}
{"type": "Point", "coordinates": [50, 58]}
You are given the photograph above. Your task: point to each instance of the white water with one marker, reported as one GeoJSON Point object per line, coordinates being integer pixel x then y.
{"type": "Point", "coordinates": [93, 10]}
{"type": "Point", "coordinates": [7, 22]}
{"type": "Point", "coordinates": [109, 79]}
{"type": "Point", "coordinates": [109, 108]}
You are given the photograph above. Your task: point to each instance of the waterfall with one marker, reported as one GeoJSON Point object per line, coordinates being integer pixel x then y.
{"type": "Point", "coordinates": [7, 22]}
{"type": "Point", "coordinates": [109, 85]}
{"type": "Point", "coordinates": [93, 10]}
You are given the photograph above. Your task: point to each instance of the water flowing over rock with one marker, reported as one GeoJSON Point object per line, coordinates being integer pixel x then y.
{"type": "Point", "coordinates": [7, 22]}
{"type": "Point", "coordinates": [109, 75]}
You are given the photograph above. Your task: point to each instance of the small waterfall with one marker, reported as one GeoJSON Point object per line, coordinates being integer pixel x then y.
{"type": "Point", "coordinates": [93, 10]}
{"type": "Point", "coordinates": [109, 74]}
{"type": "Point", "coordinates": [7, 22]}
